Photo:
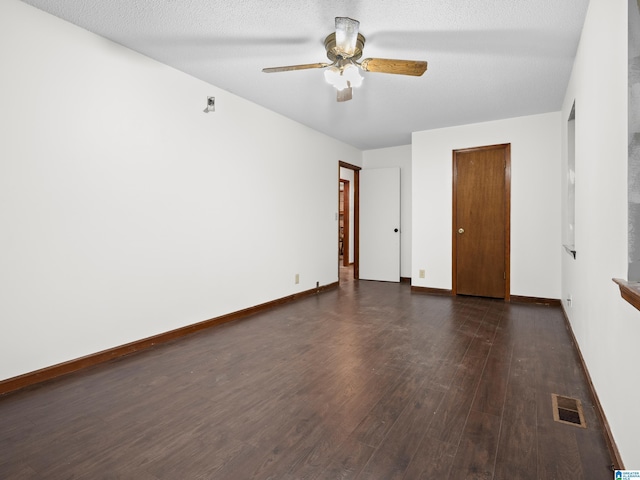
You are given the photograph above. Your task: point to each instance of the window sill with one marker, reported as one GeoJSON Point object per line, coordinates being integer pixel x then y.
{"type": "Point", "coordinates": [630, 291]}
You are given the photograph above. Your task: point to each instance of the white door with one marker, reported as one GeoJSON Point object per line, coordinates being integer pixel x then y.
{"type": "Point", "coordinates": [380, 224]}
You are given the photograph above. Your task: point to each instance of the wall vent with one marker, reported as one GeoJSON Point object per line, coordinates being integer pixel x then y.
{"type": "Point", "coordinates": [568, 410]}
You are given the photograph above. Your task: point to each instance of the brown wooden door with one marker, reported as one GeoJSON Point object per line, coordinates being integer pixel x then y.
{"type": "Point", "coordinates": [481, 191]}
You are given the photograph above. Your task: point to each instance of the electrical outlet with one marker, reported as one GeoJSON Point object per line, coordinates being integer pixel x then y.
{"type": "Point", "coordinates": [297, 278]}
{"type": "Point", "coordinates": [421, 274]}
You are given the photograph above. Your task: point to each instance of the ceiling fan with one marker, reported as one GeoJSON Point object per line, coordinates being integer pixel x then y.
{"type": "Point", "coordinates": [344, 49]}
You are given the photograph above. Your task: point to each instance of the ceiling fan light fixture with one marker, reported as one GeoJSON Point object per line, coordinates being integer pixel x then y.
{"type": "Point", "coordinates": [333, 75]}
{"type": "Point", "coordinates": [351, 73]}
{"type": "Point", "coordinates": [343, 77]}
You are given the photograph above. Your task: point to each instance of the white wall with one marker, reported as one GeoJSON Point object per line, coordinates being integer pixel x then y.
{"type": "Point", "coordinates": [126, 211]}
{"type": "Point", "coordinates": [399, 157]}
{"type": "Point", "coordinates": [535, 201]}
{"type": "Point", "coordinates": [606, 327]}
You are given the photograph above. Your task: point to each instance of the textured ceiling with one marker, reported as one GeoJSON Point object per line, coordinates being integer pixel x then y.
{"type": "Point", "coordinates": [488, 59]}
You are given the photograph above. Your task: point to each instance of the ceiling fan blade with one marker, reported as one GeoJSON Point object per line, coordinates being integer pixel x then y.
{"type": "Point", "coordinates": [346, 36]}
{"type": "Point", "coordinates": [398, 67]}
{"type": "Point", "coordinates": [295, 67]}
{"type": "Point", "coordinates": [345, 94]}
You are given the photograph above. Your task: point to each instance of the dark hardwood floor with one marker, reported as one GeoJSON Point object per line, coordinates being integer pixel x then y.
{"type": "Point", "coordinates": [368, 381]}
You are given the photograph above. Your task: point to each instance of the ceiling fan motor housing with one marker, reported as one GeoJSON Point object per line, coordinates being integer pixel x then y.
{"type": "Point", "coordinates": [333, 52]}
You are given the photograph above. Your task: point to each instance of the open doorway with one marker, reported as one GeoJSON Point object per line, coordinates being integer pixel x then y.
{"type": "Point", "coordinates": [344, 250]}
{"type": "Point", "coordinates": [348, 226]}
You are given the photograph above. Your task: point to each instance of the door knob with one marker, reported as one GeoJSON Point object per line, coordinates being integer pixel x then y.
{"type": "Point", "coordinates": [395, 230]}
{"type": "Point", "coordinates": [461, 230]}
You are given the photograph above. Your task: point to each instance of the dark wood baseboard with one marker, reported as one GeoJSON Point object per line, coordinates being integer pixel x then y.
{"type": "Point", "coordinates": [405, 279]}
{"type": "Point", "coordinates": [54, 371]}
{"type": "Point", "coordinates": [555, 302]}
{"type": "Point", "coordinates": [608, 435]}
{"type": "Point", "coordinates": [431, 291]}
{"type": "Point", "coordinates": [513, 298]}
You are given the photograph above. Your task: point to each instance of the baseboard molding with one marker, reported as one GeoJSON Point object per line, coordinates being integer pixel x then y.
{"type": "Point", "coordinates": [513, 298]}
{"type": "Point", "coordinates": [555, 302]}
{"type": "Point", "coordinates": [608, 435]}
{"type": "Point", "coordinates": [431, 291]}
{"type": "Point", "coordinates": [54, 371]}
{"type": "Point", "coordinates": [405, 279]}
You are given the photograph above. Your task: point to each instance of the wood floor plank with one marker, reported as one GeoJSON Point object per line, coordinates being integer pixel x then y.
{"type": "Point", "coordinates": [559, 464]}
{"type": "Point", "coordinates": [375, 425]}
{"type": "Point", "coordinates": [291, 449]}
{"type": "Point", "coordinates": [17, 471]}
{"type": "Point", "coordinates": [393, 456]}
{"type": "Point", "coordinates": [491, 392]}
{"type": "Point", "coordinates": [594, 457]}
{"type": "Point", "coordinates": [517, 454]}
{"type": "Point", "coordinates": [476, 455]}
{"type": "Point", "coordinates": [347, 462]}
{"type": "Point", "coordinates": [451, 416]}
{"type": "Point", "coordinates": [433, 459]}
{"type": "Point", "coordinates": [243, 465]}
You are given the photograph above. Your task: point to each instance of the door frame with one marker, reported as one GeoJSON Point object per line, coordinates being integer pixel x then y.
{"type": "Point", "coordinates": [507, 216]}
{"type": "Point", "coordinates": [356, 215]}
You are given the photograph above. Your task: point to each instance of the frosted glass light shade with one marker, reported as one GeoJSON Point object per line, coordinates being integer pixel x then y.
{"type": "Point", "coordinates": [334, 76]}
{"type": "Point", "coordinates": [351, 74]}
{"type": "Point", "coordinates": [348, 76]}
